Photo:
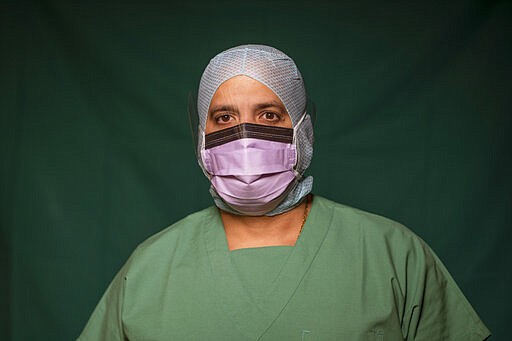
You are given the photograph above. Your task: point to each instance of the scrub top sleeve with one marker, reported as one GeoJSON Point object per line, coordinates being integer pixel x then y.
{"type": "Point", "coordinates": [105, 322]}
{"type": "Point", "coordinates": [437, 308]}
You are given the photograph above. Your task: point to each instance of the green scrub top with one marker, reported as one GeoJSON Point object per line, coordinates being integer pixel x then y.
{"type": "Point", "coordinates": [352, 275]}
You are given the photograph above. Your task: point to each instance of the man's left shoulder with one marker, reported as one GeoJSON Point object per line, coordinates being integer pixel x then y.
{"type": "Point", "coordinates": [366, 223]}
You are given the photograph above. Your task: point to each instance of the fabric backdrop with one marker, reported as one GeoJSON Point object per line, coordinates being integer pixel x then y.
{"type": "Point", "coordinates": [413, 123]}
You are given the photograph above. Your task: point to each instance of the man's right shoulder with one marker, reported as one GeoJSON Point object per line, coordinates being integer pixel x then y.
{"type": "Point", "coordinates": [184, 232]}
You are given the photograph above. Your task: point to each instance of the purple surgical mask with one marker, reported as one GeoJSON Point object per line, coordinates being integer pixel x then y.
{"type": "Point", "coordinates": [250, 165]}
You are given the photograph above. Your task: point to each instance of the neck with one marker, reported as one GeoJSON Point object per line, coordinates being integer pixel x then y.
{"type": "Point", "coordinates": [279, 230]}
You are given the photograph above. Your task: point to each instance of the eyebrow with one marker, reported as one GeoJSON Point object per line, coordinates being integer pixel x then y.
{"type": "Point", "coordinates": [222, 107]}
{"type": "Point", "coordinates": [271, 104]}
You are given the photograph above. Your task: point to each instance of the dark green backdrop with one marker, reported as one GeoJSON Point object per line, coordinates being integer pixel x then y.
{"type": "Point", "coordinates": [413, 103]}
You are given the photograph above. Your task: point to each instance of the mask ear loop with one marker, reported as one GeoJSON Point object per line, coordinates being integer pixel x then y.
{"type": "Point", "coordinates": [297, 126]}
{"type": "Point", "coordinates": [309, 113]}
{"type": "Point", "coordinates": [294, 143]}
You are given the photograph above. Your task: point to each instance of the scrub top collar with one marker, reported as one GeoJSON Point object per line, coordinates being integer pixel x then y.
{"type": "Point", "coordinates": [254, 318]}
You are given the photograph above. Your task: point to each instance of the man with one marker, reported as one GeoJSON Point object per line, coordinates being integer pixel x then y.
{"type": "Point", "coordinates": [270, 261]}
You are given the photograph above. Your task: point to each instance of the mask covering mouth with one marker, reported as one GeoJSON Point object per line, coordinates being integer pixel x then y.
{"type": "Point", "coordinates": [251, 166]}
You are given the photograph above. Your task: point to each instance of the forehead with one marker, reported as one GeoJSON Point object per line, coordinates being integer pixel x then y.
{"type": "Point", "coordinates": [268, 65]}
{"type": "Point", "coordinates": [243, 88]}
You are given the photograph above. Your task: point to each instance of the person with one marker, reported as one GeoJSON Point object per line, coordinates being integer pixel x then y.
{"type": "Point", "coordinates": [272, 261]}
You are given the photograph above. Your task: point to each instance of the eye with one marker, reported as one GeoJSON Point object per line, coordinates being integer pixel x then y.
{"type": "Point", "coordinates": [223, 118]}
{"type": "Point", "coordinates": [271, 116]}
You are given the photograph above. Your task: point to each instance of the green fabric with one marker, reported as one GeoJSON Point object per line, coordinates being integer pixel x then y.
{"type": "Point", "coordinates": [257, 267]}
{"type": "Point", "coordinates": [351, 276]}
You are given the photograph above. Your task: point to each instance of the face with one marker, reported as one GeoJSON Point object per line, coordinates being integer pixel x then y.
{"type": "Point", "coordinates": [242, 99]}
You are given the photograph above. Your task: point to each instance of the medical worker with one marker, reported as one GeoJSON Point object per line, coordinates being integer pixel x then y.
{"type": "Point", "coordinates": [271, 261]}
